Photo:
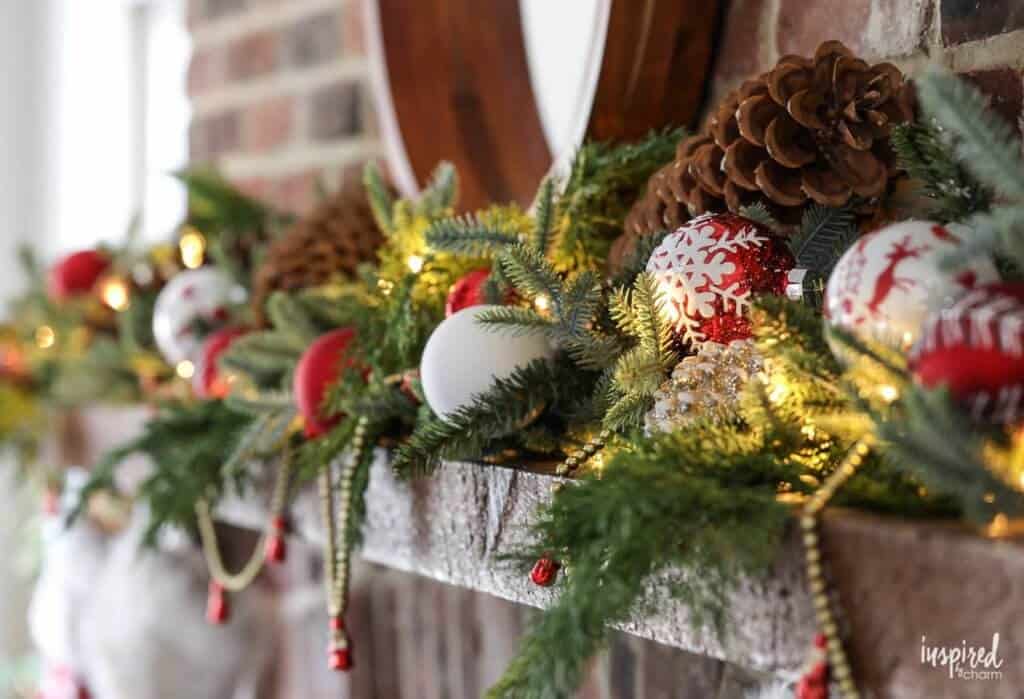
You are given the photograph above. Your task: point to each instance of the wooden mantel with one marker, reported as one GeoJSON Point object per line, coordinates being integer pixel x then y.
{"type": "Point", "coordinates": [898, 580]}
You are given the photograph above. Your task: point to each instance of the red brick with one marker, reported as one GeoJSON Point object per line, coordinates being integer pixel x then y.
{"type": "Point", "coordinates": [256, 187]}
{"type": "Point", "coordinates": [312, 40]}
{"type": "Point", "coordinates": [295, 193]}
{"type": "Point", "coordinates": [803, 25]}
{"type": "Point", "coordinates": [1005, 89]}
{"type": "Point", "coordinates": [352, 40]}
{"type": "Point", "coordinates": [252, 56]}
{"type": "Point", "coordinates": [205, 71]}
{"type": "Point", "coordinates": [968, 20]}
{"type": "Point", "coordinates": [269, 124]}
{"type": "Point", "coordinates": [213, 136]}
{"type": "Point", "coordinates": [740, 54]}
{"type": "Point", "coordinates": [336, 112]}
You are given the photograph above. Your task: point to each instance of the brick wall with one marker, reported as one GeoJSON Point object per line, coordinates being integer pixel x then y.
{"type": "Point", "coordinates": [981, 38]}
{"type": "Point", "coordinates": [279, 94]}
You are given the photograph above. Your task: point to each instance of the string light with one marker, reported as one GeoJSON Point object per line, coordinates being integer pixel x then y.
{"type": "Point", "coordinates": [186, 369]}
{"type": "Point", "coordinates": [542, 303]}
{"type": "Point", "coordinates": [192, 245]}
{"type": "Point", "coordinates": [45, 337]}
{"type": "Point", "coordinates": [415, 263]}
{"type": "Point", "coordinates": [888, 393]}
{"type": "Point", "coordinates": [114, 292]}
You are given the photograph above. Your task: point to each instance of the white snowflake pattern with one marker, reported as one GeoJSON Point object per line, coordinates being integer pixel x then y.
{"type": "Point", "coordinates": [691, 266]}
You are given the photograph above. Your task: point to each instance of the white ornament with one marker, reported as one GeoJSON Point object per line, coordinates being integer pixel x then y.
{"type": "Point", "coordinates": [463, 358]}
{"type": "Point", "coordinates": [885, 285]}
{"type": "Point", "coordinates": [196, 295]}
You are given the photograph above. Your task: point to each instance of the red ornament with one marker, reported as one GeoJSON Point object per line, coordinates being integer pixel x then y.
{"type": "Point", "coordinates": [319, 367]}
{"type": "Point", "coordinates": [976, 349]}
{"type": "Point", "coordinates": [467, 291]}
{"type": "Point", "coordinates": [276, 549]}
{"type": "Point", "coordinates": [77, 274]}
{"type": "Point", "coordinates": [709, 271]}
{"type": "Point", "coordinates": [217, 607]}
{"type": "Point", "coordinates": [210, 382]}
{"type": "Point", "coordinates": [545, 571]}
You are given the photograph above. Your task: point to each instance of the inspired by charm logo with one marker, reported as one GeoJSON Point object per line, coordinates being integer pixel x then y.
{"type": "Point", "coordinates": [965, 662]}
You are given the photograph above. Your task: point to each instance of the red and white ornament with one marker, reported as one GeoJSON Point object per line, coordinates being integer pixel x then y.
{"type": "Point", "coordinates": [710, 269]}
{"type": "Point", "coordinates": [319, 367]}
{"type": "Point", "coordinates": [192, 301]}
{"type": "Point", "coordinates": [467, 291]}
{"type": "Point", "coordinates": [77, 274]}
{"type": "Point", "coordinates": [976, 349]}
{"type": "Point", "coordinates": [885, 284]}
{"type": "Point", "coordinates": [209, 381]}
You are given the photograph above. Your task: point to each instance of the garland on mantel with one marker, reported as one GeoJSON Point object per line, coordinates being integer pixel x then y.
{"type": "Point", "coordinates": [693, 402]}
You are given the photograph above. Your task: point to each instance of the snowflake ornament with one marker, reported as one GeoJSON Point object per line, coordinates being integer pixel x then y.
{"type": "Point", "coordinates": [709, 271]}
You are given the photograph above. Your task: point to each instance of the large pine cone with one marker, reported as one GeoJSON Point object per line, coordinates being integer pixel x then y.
{"type": "Point", "coordinates": [808, 130]}
{"type": "Point", "coordinates": [327, 244]}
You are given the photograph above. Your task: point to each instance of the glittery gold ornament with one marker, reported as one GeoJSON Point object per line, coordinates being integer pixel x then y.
{"type": "Point", "coordinates": [705, 385]}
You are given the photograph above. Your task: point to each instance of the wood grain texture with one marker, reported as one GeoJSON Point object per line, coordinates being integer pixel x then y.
{"type": "Point", "coordinates": [452, 82]}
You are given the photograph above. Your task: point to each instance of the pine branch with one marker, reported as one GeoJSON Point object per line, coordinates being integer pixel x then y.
{"type": "Point", "coordinates": [188, 446]}
{"type": "Point", "coordinates": [758, 212]}
{"type": "Point", "coordinates": [531, 274]}
{"type": "Point", "coordinates": [544, 215]}
{"type": "Point", "coordinates": [825, 234]}
{"type": "Point", "coordinates": [617, 548]}
{"type": "Point", "coordinates": [469, 236]}
{"type": "Point", "coordinates": [985, 144]}
{"type": "Point", "coordinates": [516, 320]}
{"type": "Point", "coordinates": [441, 192]}
{"type": "Point", "coordinates": [290, 316]}
{"type": "Point", "coordinates": [929, 158]}
{"type": "Point", "coordinates": [378, 193]}
{"type": "Point", "coordinates": [506, 406]}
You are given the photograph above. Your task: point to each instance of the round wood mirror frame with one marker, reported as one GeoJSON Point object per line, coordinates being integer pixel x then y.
{"type": "Point", "coordinates": [452, 83]}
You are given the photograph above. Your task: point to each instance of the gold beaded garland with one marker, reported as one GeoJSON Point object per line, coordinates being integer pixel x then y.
{"type": "Point", "coordinates": [815, 573]}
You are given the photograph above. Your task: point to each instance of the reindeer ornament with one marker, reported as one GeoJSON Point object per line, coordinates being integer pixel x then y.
{"type": "Point", "coordinates": [885, 285]}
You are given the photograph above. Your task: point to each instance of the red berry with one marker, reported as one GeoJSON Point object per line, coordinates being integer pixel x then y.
{"type": "Point", "coordinates": [337, 624]}
{"type": "Point", "coordinates": [544, 572]}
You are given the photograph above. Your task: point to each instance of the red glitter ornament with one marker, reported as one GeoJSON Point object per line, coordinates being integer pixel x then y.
{"type": "Point", "coordinates": [709, 271]}
{"type": "Point", "coordinates": [217, 607]}
{"type": "Point", "coordinates": [975, 348]}
{"type": "Point", "coordinates": [210, 381]}
{"type": "Point", "coordinates": [467, 291]}
{"type": "Point", "coordinates": [545, 571]}
{"type": "Point", "coordinates": [320, 366]}
{"type": "Point", "coordinates": [77, 274]}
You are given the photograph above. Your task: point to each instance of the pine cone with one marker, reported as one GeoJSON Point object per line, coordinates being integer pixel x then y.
{"type": "Point", "coordinates": [330, 242]}
{"type": "Point", "coordinates": [808, 130]}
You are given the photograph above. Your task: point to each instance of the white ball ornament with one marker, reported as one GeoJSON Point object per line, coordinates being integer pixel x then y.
{"type": "Point", "coordinates": [885, 285]}
{"type": "Point", "coordinates": [463, 358]}
{"type": "Point", "coordinates": [192, 298]}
